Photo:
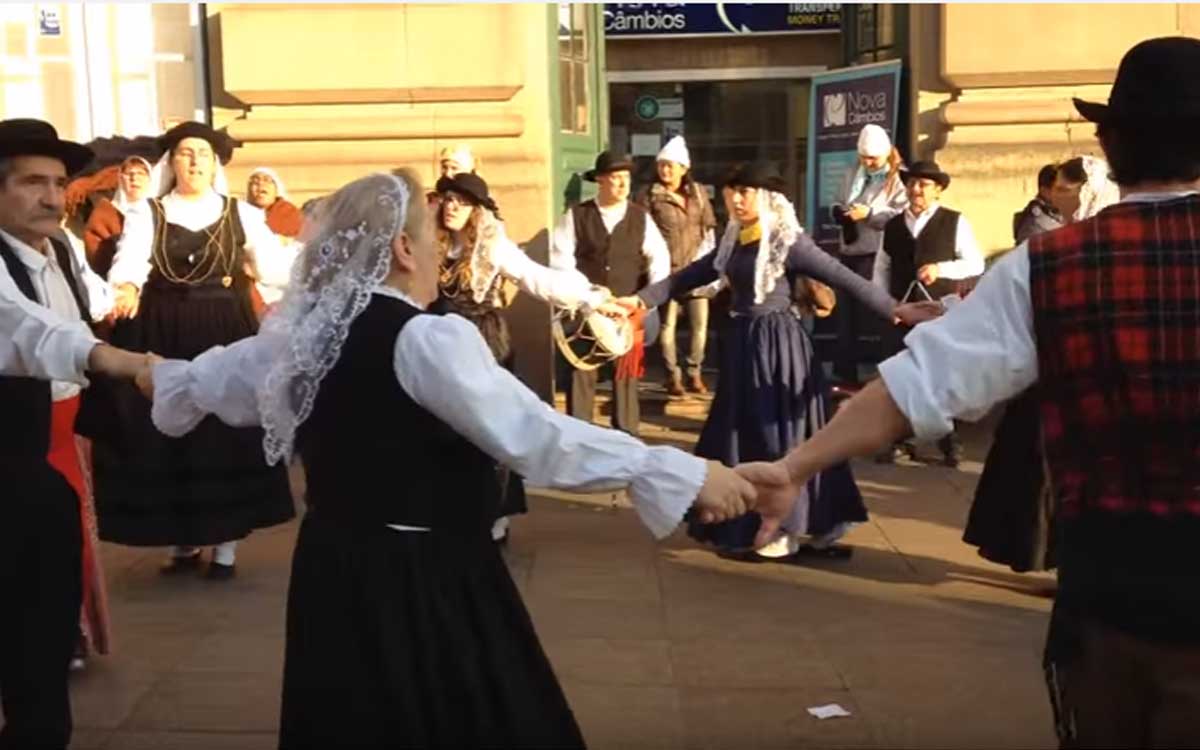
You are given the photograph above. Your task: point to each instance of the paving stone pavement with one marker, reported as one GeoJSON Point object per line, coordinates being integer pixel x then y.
{"type": "Point", "coordinates": [658, 645]}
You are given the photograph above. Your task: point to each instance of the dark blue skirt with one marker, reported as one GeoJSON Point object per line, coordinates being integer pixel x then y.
{"type": "Point", "coordinates": [771, 396]}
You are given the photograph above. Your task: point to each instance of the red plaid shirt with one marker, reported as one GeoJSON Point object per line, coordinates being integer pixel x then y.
{"type": "Point", "coordinates": [1116, 314]}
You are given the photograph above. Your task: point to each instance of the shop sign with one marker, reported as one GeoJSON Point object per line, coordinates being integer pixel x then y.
{"type": "Point", "coordinates": [650, 20]}
{"type": "Point", "coordinates": [842, 102]}
{"type": "Point", "coordinates": [654, 108]}
{"type": "Point", "coordinates": [49, 22]}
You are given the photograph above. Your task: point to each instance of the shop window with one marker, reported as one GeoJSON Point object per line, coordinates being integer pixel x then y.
{"type": "Point", "coordinates": [574, 31]}
{"type": "Point", "coordinates": [870, 31]}
{"type": "Point", "coordinates": [726, 123]}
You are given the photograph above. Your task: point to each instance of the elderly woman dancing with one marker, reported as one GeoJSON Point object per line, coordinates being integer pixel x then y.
{"type": "Point", "coordinates": [404, 627]}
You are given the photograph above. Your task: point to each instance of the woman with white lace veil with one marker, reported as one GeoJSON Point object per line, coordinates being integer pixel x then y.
{"type": "Point", "coordinates": [404, 628]}
{"type": "Point", "coordinates": [771, 393]}
{"type": "Point", "coordinates": [481, 271]}
{"type": "Point", "coordinates": [1012, 516]}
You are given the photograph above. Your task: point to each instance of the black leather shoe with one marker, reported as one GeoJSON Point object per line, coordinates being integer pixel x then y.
{"type": "Point", "coordinates": [218, 572]}
{"type": "Point", "coordinates": [832, 552]}
{"type": "Point", "coordinates": [185, 564]}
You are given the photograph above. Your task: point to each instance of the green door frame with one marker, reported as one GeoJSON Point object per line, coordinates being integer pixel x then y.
{"type": "Point", "coordinates": [574, 153]}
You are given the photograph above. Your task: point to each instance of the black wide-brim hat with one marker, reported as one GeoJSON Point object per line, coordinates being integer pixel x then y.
{"type": "Point", "coordinates": [609, 161]}
{"type": "Point", "coordinates": [1158, 79]}
{"type": "Point", "coordinates": [471, 185]}
{"type": "Point", "coordinates": [25, 137]}
{"type": "Point", "coordinates": [927, 169]}
{"type": "Point", "coordinates": [759, 174]}
{"type": "Point", "coordinates": [222, 143]}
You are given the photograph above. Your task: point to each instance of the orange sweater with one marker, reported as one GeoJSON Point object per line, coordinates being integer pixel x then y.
{"type": "Point", "coordinates": [284, 218]}
{"type": "Point", "coordinates": [104, 228]}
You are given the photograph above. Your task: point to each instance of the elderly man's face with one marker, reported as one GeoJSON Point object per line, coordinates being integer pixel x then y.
{"type": "Point", "coordinates": [262, 190]}
{"type": "Point", "coordinates": [194, 164]}
{"type": "Point", "coordinates": [613, 186]}
{"type": "Point", "coordinates": [745, 204]}
{"type": "Point", "coordinates": [450, 167]}
{"type": "Point", "coordinates": [922, 193]}
{"type": "Point", "coordinates": [135, 178]}
{"type": "Point", "coordinates": [32, 198]}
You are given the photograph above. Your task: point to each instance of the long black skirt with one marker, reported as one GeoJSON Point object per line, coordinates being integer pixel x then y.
{"type": "Point", "coordinates": [413, 639]}
{"type": "Point", "coordinates": [772, 395]}
{"type": "Point", "coordinates": [210, 486]}
{"type": "Point", "coordinates": [1012, 517]}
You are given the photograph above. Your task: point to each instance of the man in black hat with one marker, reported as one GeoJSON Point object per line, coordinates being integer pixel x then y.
{"type": "Point", "coordinates": [1103, 316]}
{"type": "Point", "coordinates": [930, 246]}
{"type": "Point", "coordinates": [47, 292]}
{"type": "Point", "coordinates": [616, 245]}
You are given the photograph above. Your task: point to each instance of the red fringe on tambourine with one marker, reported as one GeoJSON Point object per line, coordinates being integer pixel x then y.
{"type": "Point", "coordinates": [633, 364]}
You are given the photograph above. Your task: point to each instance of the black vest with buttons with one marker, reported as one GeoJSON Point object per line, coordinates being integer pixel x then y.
{"type": "Point", "coordinates": [615, 260]}
{"type": "Point", "coordinates": [935, 244]}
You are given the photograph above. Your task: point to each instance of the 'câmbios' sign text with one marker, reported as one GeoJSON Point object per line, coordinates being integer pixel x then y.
{"type": "Point", "coordinates": [641, 20]}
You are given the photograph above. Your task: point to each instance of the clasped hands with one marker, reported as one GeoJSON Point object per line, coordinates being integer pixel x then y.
{"type": "Point", "coordinates": [761, 486]}
{"type": "Point", "coordinates": [119, 363]}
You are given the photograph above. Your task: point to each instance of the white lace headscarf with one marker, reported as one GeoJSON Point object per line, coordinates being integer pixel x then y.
{"type": "Point", "coordinates": [347, 254]}
{"type": "Point", "coordinates": [484, 268]}
{"type": "Point", "coordinates": [1099, 191]}
{"type": "Point", "coordinates": [120, 200]}
{"type": "Point", "coordinates": [780, 229]}
{"type": "Point", "coordinates": [280, 189]}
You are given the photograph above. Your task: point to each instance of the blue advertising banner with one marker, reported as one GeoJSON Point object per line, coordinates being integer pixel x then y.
{"type": "Point", "coordinates": [641, 20]}
{"type": "Point", "coordinates": [842, 102]}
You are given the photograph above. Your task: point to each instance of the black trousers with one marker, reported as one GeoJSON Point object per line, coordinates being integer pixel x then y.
{"type": "Point", "coordinates": [853, 320]}
{"type": "Point", "coordinates": [1111, 689]}
{"type": "Point", "coordinates": [581, 399]}
{"type": "Point", "coordinates": [41, 587]}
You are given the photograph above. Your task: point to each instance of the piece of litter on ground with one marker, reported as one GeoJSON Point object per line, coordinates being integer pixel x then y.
{"type": "Point", "coordinates": [830, 711]}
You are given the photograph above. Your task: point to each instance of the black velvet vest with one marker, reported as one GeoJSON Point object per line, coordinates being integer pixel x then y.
{"type": "Point", "coordinates": [935, 244]}
{"type": "Point", "coordinates": [374, 456]}
{"type": "Point", "coordinates": [25, 402]}
{"type": "Point", "coordinates": [615, 260]}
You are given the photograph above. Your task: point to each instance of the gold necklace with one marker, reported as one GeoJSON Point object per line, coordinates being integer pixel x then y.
{"type": "Point", "coordinates": [212, 254]}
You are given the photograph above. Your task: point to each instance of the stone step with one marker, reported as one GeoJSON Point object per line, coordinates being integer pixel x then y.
{"type": "Point", "coordinates": [655, 402]}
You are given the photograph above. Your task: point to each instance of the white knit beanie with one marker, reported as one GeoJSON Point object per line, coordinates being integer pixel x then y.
{"type": "Point", "coordinates": [873, 141]}
{"type": "Point", "coordinates": [676, 151]}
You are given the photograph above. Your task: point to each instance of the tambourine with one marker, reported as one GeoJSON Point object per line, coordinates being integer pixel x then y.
{"type": "Point", "coordinates": [592, 341]}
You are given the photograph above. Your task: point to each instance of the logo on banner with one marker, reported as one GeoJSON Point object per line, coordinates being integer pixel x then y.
{"type": "Point", "coordinates": [834, 111]}
{"type": "Point", "coordinates": [866, 108]}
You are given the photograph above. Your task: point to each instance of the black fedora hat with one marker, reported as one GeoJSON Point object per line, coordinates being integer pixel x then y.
{"type": "Point", "coordinates": [24, 137]}
{"type": "Point", "coordinates": [608, 161]}
{"type": "Point", "coordinates": [927, 169]}
{"type": "Point", "coordinates": [758, 174]}
{"type": "Point", "coordinates": [1158, 79]}
{"type": "Point", "coordinates": [222, 143]}
{"type": "Point", "coordinates": [470, 185]}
